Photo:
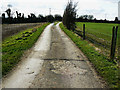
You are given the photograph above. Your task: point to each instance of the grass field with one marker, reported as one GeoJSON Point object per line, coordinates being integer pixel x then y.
{"type": "Point", "coordinates": [13, 47]}
{"type": "Point", "coordinates": [100, 30]}
{"type": "Point", "coordinates": [100, 33]}
{"type": "Point", "coordinates": [106, 69]}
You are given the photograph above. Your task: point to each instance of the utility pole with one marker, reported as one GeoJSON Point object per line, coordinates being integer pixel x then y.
{"type": "Point", "coordinates": [49, 11]}
{"type": "Point", "coordinates": [119, 10]}
{"type": "Point", "coordinates": [106, 16]}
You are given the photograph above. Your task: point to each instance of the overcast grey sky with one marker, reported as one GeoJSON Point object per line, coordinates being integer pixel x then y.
{"type": "Point", "coordinates": [99, 8]}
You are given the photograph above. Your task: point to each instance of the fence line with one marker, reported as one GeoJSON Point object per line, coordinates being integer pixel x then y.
{"type": "Point", "coordinates": [97, 41]}
{"type": "Point", "coordinates": [113, 43]}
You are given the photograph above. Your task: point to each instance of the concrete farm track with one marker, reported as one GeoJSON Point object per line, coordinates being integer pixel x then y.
{"type": "Point", "coordinates": [54, 62]}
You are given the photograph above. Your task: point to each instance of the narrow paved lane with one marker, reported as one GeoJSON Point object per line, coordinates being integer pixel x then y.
{"type": "Point", "coordinates": [55, 62]}
{"type": "Point", "coordinates": [30, 66]}
{"type": "Point", "coordinates": [65, 66]}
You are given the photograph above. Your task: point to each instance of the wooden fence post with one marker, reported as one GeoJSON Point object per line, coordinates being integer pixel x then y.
{"type": "Point", "coordinates": [83, 31]}
{"type": "Point", "coordinates": [111, 52]}
{"type": "Point", "coordinates": [113, 43]}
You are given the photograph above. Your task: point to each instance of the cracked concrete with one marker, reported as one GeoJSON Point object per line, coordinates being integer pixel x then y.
{"type": "Point", "coordinates": [27, 70]}
{"type": "Point", "coordinates": [65, 66]}
{"type": "Point", "coordinates": [55, 62]}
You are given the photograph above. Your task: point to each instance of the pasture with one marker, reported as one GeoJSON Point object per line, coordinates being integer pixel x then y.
{"type": "Point", "coordinates": [100, 34]}
{"type": "Point", "coordinates": [100, 30]}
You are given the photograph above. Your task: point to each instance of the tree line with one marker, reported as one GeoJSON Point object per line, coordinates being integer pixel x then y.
{"type": "Point", "coordinates": [32, 18]}
{"type": "Point", "coordinates": [69, 17]}
{"type": "Point", "coordinates": [90, 18]}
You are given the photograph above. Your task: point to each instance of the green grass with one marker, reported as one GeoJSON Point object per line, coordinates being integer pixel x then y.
{"type": "Point", "coordinates": [13, 47]}
{"type": "Point", "coordinates": [100, 30]}
{"type": "Point", "coordinates": [55, 23]}
{"type": "Point", "coordinates": [106, 69]}
{"type": "Point", "coordinates": [100, 33]}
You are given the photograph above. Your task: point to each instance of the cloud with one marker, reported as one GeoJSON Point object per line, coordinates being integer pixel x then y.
{"type": "Point", "coordinates": [98, 8]}
{"type": "Point", "coordinates": [37, 6]}
{"type": "Point", "coordinates": [112, 1]}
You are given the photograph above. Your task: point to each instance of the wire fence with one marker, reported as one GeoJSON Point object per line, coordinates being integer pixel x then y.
{"type": "Point", "coordinates": [108, 45]}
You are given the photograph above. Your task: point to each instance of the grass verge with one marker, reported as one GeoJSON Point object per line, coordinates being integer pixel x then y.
{"type": "Point", "coordinates": [55, 23]}
{"type": "Point", "coordinates": [13, 47]}
{"type": "Point", "coordinates": [106, 69]}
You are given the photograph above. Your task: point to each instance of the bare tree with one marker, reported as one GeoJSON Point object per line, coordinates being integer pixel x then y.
{"type": "Point", "coordinates": [8, 11]}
